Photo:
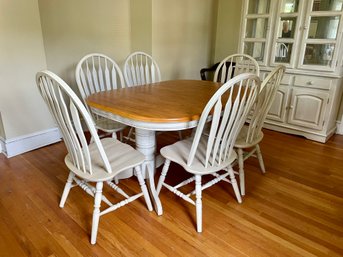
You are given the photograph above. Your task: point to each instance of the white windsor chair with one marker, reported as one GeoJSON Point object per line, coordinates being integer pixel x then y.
{"type": "Point", "coordinates": [97, 162]}
{"type": "Point", "coordinates": [251, 134]}
{"type": "Point", "coordinates": [96, 73]}
{"type": "Point", "coordinates": [234, 65]}
{"type": "Point", "coordinates": [140, 68]}
{"type": "Point", "coordinates": [208, 154]}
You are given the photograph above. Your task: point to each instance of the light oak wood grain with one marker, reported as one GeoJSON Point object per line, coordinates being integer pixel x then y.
{"type": "Point", "coordinates": [295, 209]}
{"type": "Point", "coordinates": [167, 101]}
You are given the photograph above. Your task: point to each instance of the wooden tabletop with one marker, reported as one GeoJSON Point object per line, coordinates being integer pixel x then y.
{"type": "Point", "coordinates": [166, 101]}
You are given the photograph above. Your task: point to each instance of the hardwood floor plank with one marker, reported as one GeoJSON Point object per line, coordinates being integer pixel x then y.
{"type": "Point", "coordinates": [295, 209]}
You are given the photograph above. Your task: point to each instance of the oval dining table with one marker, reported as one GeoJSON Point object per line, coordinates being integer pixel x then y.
{"type": "Point", "coordinates": [163, 106]}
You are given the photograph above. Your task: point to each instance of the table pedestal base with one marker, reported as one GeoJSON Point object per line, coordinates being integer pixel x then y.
{"type": "Point", "coordinates": [146, 144]}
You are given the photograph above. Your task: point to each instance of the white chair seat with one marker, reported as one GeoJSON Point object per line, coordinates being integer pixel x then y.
{"type": "Point", "coordinates": [179, 151]}
{"type": "Point", "coordinates": [120, 156]}
{"type": "Point", "coordinates": [242, 137]}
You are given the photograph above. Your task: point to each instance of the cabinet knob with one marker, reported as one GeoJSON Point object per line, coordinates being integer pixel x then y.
{"type": "Point", "coordinates": [310, 83]}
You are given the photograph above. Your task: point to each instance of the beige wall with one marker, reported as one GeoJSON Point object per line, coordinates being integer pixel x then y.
{"type": "Point", "coordinates": [141, 25]}
{"type": "Point", "coordinates": [181, 36]}
{"type": "Point", "coordinates": [228, 28]}
{"type": "Point", "coordinates": [21, 56]}
{"type": "Point", "coordinates": [72, 29]}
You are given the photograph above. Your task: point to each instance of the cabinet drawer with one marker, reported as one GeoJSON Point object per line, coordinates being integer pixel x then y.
{"type": "Point", "coordinates": [312, 82]}
{"type": "Point", "coordinates": [286, 79]}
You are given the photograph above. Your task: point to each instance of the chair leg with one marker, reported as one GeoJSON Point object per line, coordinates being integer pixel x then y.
{"type": "Point", "coordinates": [129, 135]}
{"type": "Point", "coordinates": [121, 136]}
{"type": "Point", "coordinates": [143, 188]}
{"type": "Point", "coordinates": [260, 158]}
{"type": "Point", "coordinates": [67, 188]}
{"type": "Point", "coordinates": [114, 135]}
{"type": "Point", "coordinates": [241, 171]}
{"type": "Point", "coordinates": [198, 202]}
{"type": "Point", "coordinates": [234, 185]}
{"type": "Point", "coordinates": [96, 212]}
{"type": "Point", "coordinates": [163, 176]}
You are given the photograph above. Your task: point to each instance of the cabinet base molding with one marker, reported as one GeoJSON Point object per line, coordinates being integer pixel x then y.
{"type": "Point", "coordinates": [339, 127]}
{"type": "Point", "coordinates": [15, 146]}
{"type": "Point", "coordinates": [322, 138]}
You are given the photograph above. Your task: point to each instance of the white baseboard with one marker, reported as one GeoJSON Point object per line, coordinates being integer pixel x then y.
{"type": "Point", "coordinates": [339, 129]}
{"type": "Point", "coordinates": [22, 144]}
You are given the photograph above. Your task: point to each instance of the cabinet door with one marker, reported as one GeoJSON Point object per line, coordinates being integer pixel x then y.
{"type": "Point", "coordinates": [307, 108]}
{"type": "Point", "coordinates": [321, 35]}
{"type": "Point", "coordinates": [286, 32]}
{"type": "Point", "coordinates": [255, 29]}
{"type": "Point", "coordinates": [277, 111]}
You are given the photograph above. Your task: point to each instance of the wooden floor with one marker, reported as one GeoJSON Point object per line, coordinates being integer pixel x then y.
{"type": "Point", "coordinates": [295, 209]}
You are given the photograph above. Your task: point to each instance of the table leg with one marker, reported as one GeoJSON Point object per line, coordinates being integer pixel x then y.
{"type": "Point", "coordinates": [146, 144]}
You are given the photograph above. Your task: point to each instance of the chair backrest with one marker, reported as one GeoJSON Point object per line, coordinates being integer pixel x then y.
{"type": "Point", "coordinates": [265, 99]}
{"type": "Point", "coordinates": [140, 68]}
{"type": "Point", "coordinates": [229, 107]}
{"type": "Point", "coordinates": [234, 65]}
{"type": "Point", "coordinates": [282, 50]}
{"type": "Point", "coordinates": [66, 108]}
{"type": "Point", "coordinates": [96, 73]}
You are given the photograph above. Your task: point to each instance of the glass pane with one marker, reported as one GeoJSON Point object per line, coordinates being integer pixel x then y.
{"type": "Point", "coordinates": [319, 54]}
{"type": "Point", "coordinates": [290, 6]}
{"type": "Point", "coordinates": [327, 5]}
{"type": "Point", "coordinates": [254, 49]}
{"type": "Point", "coordinates": [287, 27]}
{"type": "Point", "coordinates": [283, 52]}
{"type": "Point", "coordinates": [258, 6]}
{"type": "Point", "coordinates": [324, 27]}
{"type": "Point", "coordinates": [256, 28]}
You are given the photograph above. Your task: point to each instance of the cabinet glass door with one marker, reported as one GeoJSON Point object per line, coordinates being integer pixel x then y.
{"type": "Point", "coordinates": [321, 34]}
{"type": "Point", "coordinates": [286, 31]}
{"type": "Point", "coordinates": [256, 29]}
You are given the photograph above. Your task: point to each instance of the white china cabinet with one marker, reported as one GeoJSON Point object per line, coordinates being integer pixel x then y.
{"type": "Point", "coordinates": [306, 37]}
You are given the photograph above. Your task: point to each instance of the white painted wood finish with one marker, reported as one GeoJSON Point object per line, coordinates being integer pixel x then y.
{"type": "Point", "coordinates": [307, 108]}
{"type": "Point", "coordinates": [19, 145]}
{"type": "Point", "coordinates": [96, 73]}
{"type": "Point", "coordinates": [234, 65]}
{"type": "Point", "coordinates": [206, 154]}
{"type": "Point", "coordinates": [307, 102]}
{"type": "Point", "coordinates": [277, 111]}
{"type": "Point", "coordinates": [251, 135]}
{"type": "Point", "coordinates": [140, 68]}
{"type": "Point", "coordinates": [98, 162]}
